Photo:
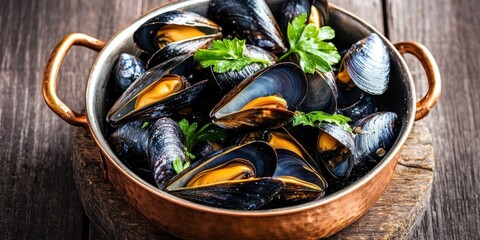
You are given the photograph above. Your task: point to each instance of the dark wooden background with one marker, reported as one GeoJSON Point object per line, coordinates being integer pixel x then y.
{"type": "Point", "coordinates": [37, 193]}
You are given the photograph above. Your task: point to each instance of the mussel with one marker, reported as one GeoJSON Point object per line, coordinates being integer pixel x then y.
{"type": "Point", "coordinates": [165, 145]}
{"type": "Point", "coordinates": [365, 106]}
{"type": "Point", "coordinates": [157, 93]}
{"type": "Point", "coordinates": [336, 147]}
{"type": "Point", "coordinates": [248, 19]}
{"type": "Point", "coordinates": [317, 12]}
{"type": "Point", "coordinates": [367, 64]}
{"type": "Point", "coordinates": [228, 80]}
{"type": "Point", "coordinates": [322, 93]}
{"type": "Point", "coordinates": [127, 70]}
{"type": "Point", "coordinates": [375, 135]}
{"type": "Point", "coordinates": [174, 27]}
{"type": "Point", "coordinates": [264, 100]}
{"type": "Point", "coordinates": [238, 177]}
{"type": "Point", "coordinates": [302, 182]}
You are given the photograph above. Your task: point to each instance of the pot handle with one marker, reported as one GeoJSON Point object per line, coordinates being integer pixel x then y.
{"type": "Point", "coordinates": [49, 83]}
{"type": "Point", "coordinates": [433, 75]}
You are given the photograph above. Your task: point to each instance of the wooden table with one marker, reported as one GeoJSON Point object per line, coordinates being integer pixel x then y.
{"type": "Point", "coordinates": [38, 196]}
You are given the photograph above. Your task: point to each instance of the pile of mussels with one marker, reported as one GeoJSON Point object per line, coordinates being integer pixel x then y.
{"type": "Point", "coordinates": [265, 162]}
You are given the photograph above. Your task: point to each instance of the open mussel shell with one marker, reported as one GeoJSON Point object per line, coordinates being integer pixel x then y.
{"type": "Point", "coordinates": [175, 49]}
{"type": "Point", "coordinates": [338, 160]}
{"type": "Point", "coordinates": [126, 108]}
{"type": "Point", "coordinates": [165, 145]}
{"type": "Point", "coordinates": [322, 93]}
{"type": "Point", "coordinates": [302, 183]}
{"type": "Point", "coordinates": [228, 80]}
{"type": "Point", "coordinates": [127, 70]}
{"type": "Point", "coordinates": [178, 26]}
{"type": "Point", "coordinates": [375, 135]}
{"type": "Point", "coordinates": [283, 139]}
{"type": "Point", "coordinates": [248, 19]}
{"type": "Point", "coordinates": [237, 177]}
{"type": "Point", "coordinates": [368, 64]}
{"type": "Point", "coordinates": [284, 79]}
{"type": "Point", "coordinates": [317, 12]}
{"type": "Point", "coordinates": [249, 194]}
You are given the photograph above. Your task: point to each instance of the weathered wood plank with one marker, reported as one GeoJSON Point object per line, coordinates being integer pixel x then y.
{"type": "Point", "coordinates": [450, 30]}
{"type": "Point", "coordinates": [38, 198]}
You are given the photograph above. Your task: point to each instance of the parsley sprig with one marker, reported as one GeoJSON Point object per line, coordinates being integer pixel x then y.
{"type": "Point", "coordinates": [193, 135]}
{"type": "Point", "coordinates": [307, 40]}
{"type": "Point", "coordinates": [314, 118]}
{"type": "Point", "coordinates": [226, 55]}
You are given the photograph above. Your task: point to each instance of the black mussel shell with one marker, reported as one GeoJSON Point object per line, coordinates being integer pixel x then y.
{"type": "Point", "coordinates": [165, 146]}
{"type": "Point", "coordinates": [339, 162]}
{"type": "Point", "coordinates": [364, 107]}
{"type": "Point", "coordinates": [293, 8]}
{"type": "Point", "coordinates": [376, 133]}
{"type": "Point", "coordinates": [284, 79]}
{"type": "Point", "coordinates": [145, 36]}
{"type": "Point", "coordinates": [248, 19]}
{"type": "Point", "coordinates": [368, 64]}
{"type": "Point", "coordinates": [228, 80]}
{"type": "Point", "coordinates": [302, 183]}
{"type": "Point", "coordinates": [178, 48]}
{"type": "Point", "coordinates": [127, 70]}
{"type": "Point", "coordinates": [322, 93]}
{"type": "Point", "coordinates": [249, 194]}
{"type": "Point", "coordinates": [124, 109]}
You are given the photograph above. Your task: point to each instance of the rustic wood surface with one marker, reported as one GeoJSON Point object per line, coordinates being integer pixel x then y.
{"type": "Point", "coordinates": [394, 215]}
{"type": "Point", "coordinates": [38, 196]}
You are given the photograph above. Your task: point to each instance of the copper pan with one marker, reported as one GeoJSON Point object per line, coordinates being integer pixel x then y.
{"type": "Point", "coordinates": [185, 219]}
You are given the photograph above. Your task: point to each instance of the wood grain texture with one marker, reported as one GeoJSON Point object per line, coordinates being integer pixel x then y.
{"type": "Point", "coordinates": [450, 30]}
{"type": "Point", "coordinates": [395, 215]}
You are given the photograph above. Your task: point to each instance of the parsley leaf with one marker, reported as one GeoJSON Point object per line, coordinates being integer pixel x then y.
{"type": "Point", "coordinates": [307, 41]}
{"type": "Point", "coordinates": [226, 55]}
{"type": "Point", "coordinates": [317, 117]}
{"type": "Point", "coordinates": [178, 166]}
{"type": "Point", "coordinates": [208, 132]}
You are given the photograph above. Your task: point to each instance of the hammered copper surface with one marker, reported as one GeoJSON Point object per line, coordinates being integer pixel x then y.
{"type": "Point", "coordinates": [313, 220]}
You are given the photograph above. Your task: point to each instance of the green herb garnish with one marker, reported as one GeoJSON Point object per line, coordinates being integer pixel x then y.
{"type": "Point", "coordinates": [317, 117]}
{"type": "Point", "coordinates": [226, 55]}
{"type": "Point", "coordinates": [307, 41]}
{"type": "Point", "coordinates": [208, 132]}
{"type": "Point", "coordinates": [144, 125]}
{"type": "Point", "coordinates": [178, 166]}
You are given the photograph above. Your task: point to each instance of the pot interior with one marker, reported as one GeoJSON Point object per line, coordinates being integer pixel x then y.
{"type": "Point", "coordinates": [399, 97]}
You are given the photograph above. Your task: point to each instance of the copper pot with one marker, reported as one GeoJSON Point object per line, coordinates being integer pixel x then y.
{"type": "Point", "coordinates": [317, 219]}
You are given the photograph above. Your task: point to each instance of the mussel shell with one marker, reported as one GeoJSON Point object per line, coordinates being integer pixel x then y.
{"type": "Point", "coordinates": [364, 107]}
{"type": "Point", "coordinates": [123, 110]}
{"type": "Point", "coordinates": [376, 134]}
{"type": "Point", "coordinates": [286, 79]}
{"type": "Point", "coordinates": [322, 93]}
{"type": "Point", "coordinates": [228, 80]}
{"type": "Point", "coordinates": [347, 98]}
{"type": "Point", "coordinates": [248, 19]}
{"type": "Point", "coordinates": [368, 64]}
{"type": "Point", "coordinates": [127, 70]}
{"type": "Point", "coordinates": [145, 34]}
{"type": "Point", "coordinates": [178, 48]}
{"type": "Point", "coordinates": [343, 168]}
{"type": "Point", "coordinates": [293, 8]}
{"type": "Point", "coordinates": [165, 146]}
{"type": "Point", "coordinates": [260, 154]}
{"type": "Point", "coordinates": [249, 194]}
{"type": "Point", "coordinates": [130, 142]}
{"type": "Point", "coordinates": [292, 165]}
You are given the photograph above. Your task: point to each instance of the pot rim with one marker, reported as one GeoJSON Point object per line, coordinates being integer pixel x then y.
{"type": "Point", "coordinates": [100, 140]}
